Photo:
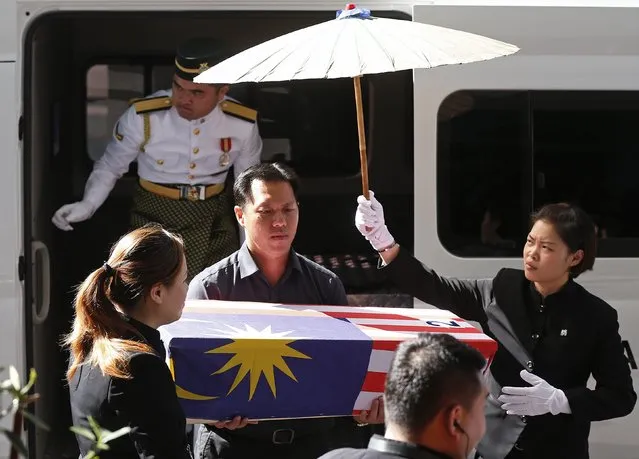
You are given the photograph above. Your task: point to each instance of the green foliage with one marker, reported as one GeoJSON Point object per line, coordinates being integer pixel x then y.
{"type": "Point", "coordinates": [99, 436]}
{"type": "Point", "coordinates": [18, 398]}
{"type": "Point", "coordinates": [15, 400]}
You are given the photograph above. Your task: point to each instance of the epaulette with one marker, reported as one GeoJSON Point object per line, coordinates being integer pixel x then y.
{"type": "Point", "coordinates": [151, 104]}
{"type": "Point", "coordinates": [239, 111]}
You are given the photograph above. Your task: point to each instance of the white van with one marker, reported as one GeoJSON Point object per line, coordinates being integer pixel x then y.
{"type": "Point", "coordinates": [451, 150]}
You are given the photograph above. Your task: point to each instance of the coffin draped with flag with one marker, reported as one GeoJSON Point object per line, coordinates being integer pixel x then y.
{"type": "Point", "coordinates": [271, 361]}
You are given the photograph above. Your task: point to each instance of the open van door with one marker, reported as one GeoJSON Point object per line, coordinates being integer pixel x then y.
{"type": "Point", "coordinates": [47, 307]}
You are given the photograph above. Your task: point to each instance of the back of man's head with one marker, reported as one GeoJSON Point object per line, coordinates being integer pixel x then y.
{"type": "Point", "coordinates": [429, 374]}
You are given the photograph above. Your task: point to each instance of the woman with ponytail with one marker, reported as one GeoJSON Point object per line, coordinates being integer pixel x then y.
{"type": "Point", "coordinates": [118, 373]}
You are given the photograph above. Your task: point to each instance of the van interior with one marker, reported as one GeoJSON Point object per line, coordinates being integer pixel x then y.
{"type": "Point", "coordinates": [80, 71]}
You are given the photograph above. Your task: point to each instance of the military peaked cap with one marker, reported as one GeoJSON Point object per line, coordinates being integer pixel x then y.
{"type": "Point", "coordinates": [196, 55]}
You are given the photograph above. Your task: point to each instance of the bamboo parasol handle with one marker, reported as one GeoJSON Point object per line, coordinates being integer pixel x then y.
{"type": "Point", "coordinates": [362, 135]}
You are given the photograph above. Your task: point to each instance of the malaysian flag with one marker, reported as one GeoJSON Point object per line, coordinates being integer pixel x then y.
{"type": "Point", "coordinates": [272, 361]}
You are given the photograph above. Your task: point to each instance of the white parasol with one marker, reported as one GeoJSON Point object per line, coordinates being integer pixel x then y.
{"type": "Point", "coordinates": [351, 45]}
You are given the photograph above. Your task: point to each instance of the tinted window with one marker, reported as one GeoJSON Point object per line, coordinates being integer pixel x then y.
{"type": "Point", "coordinates": [502, 154]}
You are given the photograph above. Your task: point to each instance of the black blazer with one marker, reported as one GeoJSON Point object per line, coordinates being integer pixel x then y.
{"type": "Point", "coordinates": [384, 448]}
{"type": "Point", "coordinates": [570, 336]}
{"type": "Point", "coordinates": [147, 403]}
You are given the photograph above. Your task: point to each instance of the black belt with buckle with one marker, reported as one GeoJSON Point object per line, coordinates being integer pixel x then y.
{"type": "Point", "coordinates": [279, 436]}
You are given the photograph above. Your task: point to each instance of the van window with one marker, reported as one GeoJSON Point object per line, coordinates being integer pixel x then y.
{"type": "Point", "coordinates": [311, 125]}
{"type": "Point", "coordinates": [502, 154]}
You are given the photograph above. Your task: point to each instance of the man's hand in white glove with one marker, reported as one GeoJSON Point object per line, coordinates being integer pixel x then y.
{"type": "Point", "coordinates": [72, 213]}
{"type": "Point", "coordinates": [369, 220]}
{"type": "Point", "coordinates": [539, 399]}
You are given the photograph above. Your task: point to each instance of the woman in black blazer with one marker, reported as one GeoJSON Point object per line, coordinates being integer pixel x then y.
{"type": "Point", "coordinates": [118, 373]}
{"type": "Point", "coordinates": [552, 334]}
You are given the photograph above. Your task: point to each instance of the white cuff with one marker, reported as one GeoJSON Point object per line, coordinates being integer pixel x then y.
{"type": "Point", "coordinates": [559, 404]}
{"type": "Point", "coordinates": [381, 238]}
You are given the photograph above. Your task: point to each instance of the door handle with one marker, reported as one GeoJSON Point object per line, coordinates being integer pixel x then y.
{"type": "Point", "coordinates": [40, 271]}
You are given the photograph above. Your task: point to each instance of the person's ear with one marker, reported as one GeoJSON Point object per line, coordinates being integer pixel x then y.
{"type": "Point", "coordinates": [222, 91]}
{"type": "Point", "coordinates": [156, 294]}
{"type": "Point", "coordinates": [577, 258]}
{"type": "Point", "coordinates": [453, 421]}
{"type": "Point", "coordinates": [239, 214]}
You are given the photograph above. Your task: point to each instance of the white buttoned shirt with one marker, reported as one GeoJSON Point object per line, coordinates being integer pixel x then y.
{"type": "Point", "coordinates": [178, 151]}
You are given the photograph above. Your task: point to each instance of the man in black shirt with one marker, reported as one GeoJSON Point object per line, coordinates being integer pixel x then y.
{"type": "Point", "coordinates": [267, 269]}
{"type": "Point", "coordinates": [434, 400]}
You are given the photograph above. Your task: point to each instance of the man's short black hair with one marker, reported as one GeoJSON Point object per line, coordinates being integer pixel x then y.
{"type": "Point", "coordinates": [265, 172]}
{"type": "Point", "coordinates": [428, 374]}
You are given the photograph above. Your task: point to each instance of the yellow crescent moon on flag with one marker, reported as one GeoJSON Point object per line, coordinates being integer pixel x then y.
{"type": "Point", "coordinates": [185, 394]}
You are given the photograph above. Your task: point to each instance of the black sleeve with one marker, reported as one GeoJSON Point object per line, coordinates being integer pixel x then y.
{"type": "Point", "coordinates": [199, 289]}
{"type": "Point", "coordinates": [336, 293]}
{"type": "Point", "coordinates": [150, 403]}
{"type": "Point", "coordinates": [614, 395]}
{"type": "Point", "coordinates": [466, 298]}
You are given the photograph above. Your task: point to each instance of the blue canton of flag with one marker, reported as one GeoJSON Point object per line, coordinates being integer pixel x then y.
{"type": "Point", "coordinates": [266, 365]}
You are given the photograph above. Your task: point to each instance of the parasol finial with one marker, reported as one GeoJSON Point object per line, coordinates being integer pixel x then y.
{"type": "Point", "coordinates": [351, 10]}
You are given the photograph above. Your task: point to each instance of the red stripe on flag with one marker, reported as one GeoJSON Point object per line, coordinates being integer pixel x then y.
{"type": "Point", "coordinates": [374, 382]}
{"type": "Point", "coordinates": [366, 315]}
{"type": "Point", "coordinates": [488, 347]}
{"type": "Point", "coordinates": [421, 328]}
{"type": "Point", "coordinates": [385, 345]}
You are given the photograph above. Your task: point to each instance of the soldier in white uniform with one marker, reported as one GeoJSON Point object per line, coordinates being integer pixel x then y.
{"type": "Point", "coordinates": [185, 140]}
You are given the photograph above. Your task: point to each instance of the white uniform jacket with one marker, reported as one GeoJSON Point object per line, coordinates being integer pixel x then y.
{"type": "Point", "coordinates": [171, 149]}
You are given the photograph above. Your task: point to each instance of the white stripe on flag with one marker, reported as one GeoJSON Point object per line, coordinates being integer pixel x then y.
{"type": "Point", "coordinates": [380, 361]}
{"type": "Point", "coordinates": [426, 314]}
{"type": "Point", "coordinates": [386, 335]}
{"type": "Point", "coordinates": [365, 399]}
{"type": "Point", "coordinates": [432, 323]}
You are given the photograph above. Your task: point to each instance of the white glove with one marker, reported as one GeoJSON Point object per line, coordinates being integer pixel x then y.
{"type": "Point", "coordinates": [97, 189]}
{"type": "Point", "coordinates": [539, 399]}
{"type": "Point", "coordinates": [369, 220]}
{"type": "Point", "coordinates": [72, 213]}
